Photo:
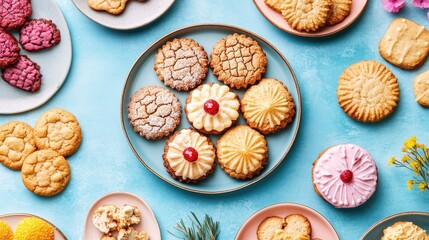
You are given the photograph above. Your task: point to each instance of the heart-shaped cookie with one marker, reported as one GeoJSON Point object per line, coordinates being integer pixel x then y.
{"type": "Point", "coordinates": [292, 227]}
{"type": "Point", "coordinates": [110, 6]}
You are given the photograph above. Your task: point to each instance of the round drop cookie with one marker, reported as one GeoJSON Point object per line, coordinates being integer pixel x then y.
{"type": "Point", "coordinates": [14, 13]}
{"type": "Point", "coordinates": [268, 106]}
{"type": "Point", "coordinates": [340, 10]}
{"type": "Point", "coordinates": [306, 15]}
{"type": "Point", "coordinates": [345, 175]}
{"type": "Point", "coordinates": [16, 143]}
{"type": "Point", "coordinates": [154, 112]}
{"type": "Point", "coordinates": [9, 49]}
{"type": "Point", "coordinates": [181, 64]}
{"type": "Point", "coordinates": [238, 61]}
{"type": "Point", "coordinates": [59, 130]}
{"type": "Point", "coordinates": [39, 34]}
{"type": "Point", "coordinates": [189, 156]}
{"type": "Point", "coordinates": [421, 88]}
{"type": "Point", "coordinates": [368, 91]}
{"type": "Point", "coordinates": [24, 74]}
{"type": "Point", "coordinates": [45, 172]}
{"type": "Point", "coordinates": [242, 152]}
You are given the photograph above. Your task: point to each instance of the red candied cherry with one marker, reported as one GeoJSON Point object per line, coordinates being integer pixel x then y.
{"type": "Point", "coordinates": [346, 176]}
{"type": "Point", "coordinates": [211, 107]}
{"type": "Point", "coordinates": [190, 154]}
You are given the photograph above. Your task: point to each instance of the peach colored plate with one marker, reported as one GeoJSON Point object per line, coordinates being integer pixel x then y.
{"type": "Point", "coordinates": [148, 223]}
{"type": "Point", "coordinates": [14, 218]}
{"type": "Point", "coordinates": [320, 227]}
{"type": "Point", "coordinates": [276, 19]}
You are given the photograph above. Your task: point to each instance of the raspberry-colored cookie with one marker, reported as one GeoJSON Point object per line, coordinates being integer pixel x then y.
{"type": "Point", "coordinates": [39, 34]}
{"type": "Point", "coordinates": [25, 74]}
{"type": "Point", "coordinates": [9, 49]}
{"type": "Point", "coordinates": [14, 13]}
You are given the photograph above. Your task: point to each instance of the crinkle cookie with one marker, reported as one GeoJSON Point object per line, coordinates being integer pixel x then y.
{"type": "Point", "coordinates": [59, 130]}
{"type": "Point", "coordinates": [24, 74]}
{"type": "Point", "coordinates": [181, 64]}
{"type": "Point", "coordinates": [368, 91]}
{"type": "Point", "coordinates": [16, 143]}
{"type": "Point", "coordinates": [238, 60]}
{"type": "Point", "coordinates": [154, 112]}
{"type": "Point", "coordinates": [111, 6]}
{"type": "Point", "coordinates": [39, 34]}
{"type": "Point", "coordinates": [9, 49]}
{"type": "Point", "coordinates": [45, 172]}
{"type": "Point", "coordinates": [340, 10]}
{"type": "Point", "coordinates": [306, 15]}
{"type": "Point", "coordinates": [14, 13]}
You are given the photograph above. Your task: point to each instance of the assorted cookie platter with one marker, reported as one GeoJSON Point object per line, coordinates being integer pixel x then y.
{"type": "Point", "coordinates": [46, 80]}
{"type": "Point", "coordinates": [123, 15]}
{"type": "Point", "coordinates": [143, 80]}
{"type": "Point", "coordinates": [349, 12]}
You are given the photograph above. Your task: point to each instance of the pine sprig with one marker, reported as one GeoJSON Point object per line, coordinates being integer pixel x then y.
{"type": "Point", "coordinates": [205, 230]}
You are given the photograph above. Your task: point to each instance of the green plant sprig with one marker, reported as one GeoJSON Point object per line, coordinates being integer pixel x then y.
{"type": "Point", "coordinates": [205, 230]}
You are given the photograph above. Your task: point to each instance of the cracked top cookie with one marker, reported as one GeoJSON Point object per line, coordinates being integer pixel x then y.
{"type": "Point", "coordinates": [181, 64]}
{"type": "Point", "coordinates": [14, 13]}
{"type": "Point", "coordinates": [59, 130]}
{"type": "Point", "coordinates": [368, 91]}
{"type": "Point", "coordinates": [16, 143]}
{"type": "Point", "coordinates": [306, 15]}
{"type": "Point", "coordinates": [45, 172]}
{"type": "Point", "coordinates": [39, 34]}
{"type": "Point", "coordinates": [24, 74]}
{"type": "Point", "coordinates": [154, 112]}
{"type": "Point", "coordinates": [212, 108]}
{"type": "Point", "coordinates": [9, 49]}
{"type": "Point", "coordinates": [238, 61]}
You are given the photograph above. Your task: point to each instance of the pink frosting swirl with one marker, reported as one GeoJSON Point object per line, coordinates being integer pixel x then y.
{"type": "Point", "coordinates": [345, 191]}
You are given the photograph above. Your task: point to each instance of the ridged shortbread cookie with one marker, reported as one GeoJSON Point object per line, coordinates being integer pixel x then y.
{"type": "Point", "coordinates": [405, 44]}
{"type": "Point", "coordinates": [306, 15]}
{"type": "Point", "coordinates": [340, 10]}
{"type": "Point", "coordinates": [275, 4]}
{"type": "Point", "coordinates": [421, 88]}
{"type": "Point", "coordinates": [368, 91]}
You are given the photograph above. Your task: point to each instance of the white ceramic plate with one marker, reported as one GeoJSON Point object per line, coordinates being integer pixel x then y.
{"type": "Point", "coordinates": [137, 13]}
{"type": "Point", "coordinates": [148, 223]}
{"type": "Point", "coordinates": [14, 218]}
{"type": "Point", "coordinates": [54, 65]}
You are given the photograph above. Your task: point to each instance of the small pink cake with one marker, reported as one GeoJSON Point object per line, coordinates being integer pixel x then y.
{"type": "Point", "coordinates": [345, 175]}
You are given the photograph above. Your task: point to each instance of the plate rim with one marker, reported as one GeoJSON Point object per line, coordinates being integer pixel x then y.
{"type": "Point", "coordinates": [285, 204]}
{"type": "Point", "coordinates": [164, 38]}
{"type": "Point", "coordinates": [305, 34]}
{"type": "Point", "coordinates": [376, 224]}
{"type": "Point", "coordinates": [124, 193]}
{"type": "Point", "coordinates": [27, 109]}
{"type": "Point", "coordinates": [119, 27]}
{"type": "Point", "coordinates": [32, 215]}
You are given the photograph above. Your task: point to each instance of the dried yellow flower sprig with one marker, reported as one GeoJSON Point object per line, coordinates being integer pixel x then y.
{"type": "Point", "coordinates": [416, 159]}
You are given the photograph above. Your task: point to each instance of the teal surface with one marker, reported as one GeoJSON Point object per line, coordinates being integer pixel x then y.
{"type": "Point", "coordinates": [105, 163]}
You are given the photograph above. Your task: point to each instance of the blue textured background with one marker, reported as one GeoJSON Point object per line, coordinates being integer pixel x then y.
{"type": "Point", "coordinates": [104, 163]}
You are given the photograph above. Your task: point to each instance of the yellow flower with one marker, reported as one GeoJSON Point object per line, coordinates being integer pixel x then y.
{"type": "Point", "coordinates": [422, 186]}
{"type": "Point", "coordinates": [391, 161]}
{"type": "Point", "coordinates": [405, 158]}
{"type": "Point", "coordinates": [415, 165]}
{"type": "Point", "coordinates": [410, 142]}
{"type": "Point", "coordinates": [410, 184]}
{"type": "Point", "coordinates": [422, 146]}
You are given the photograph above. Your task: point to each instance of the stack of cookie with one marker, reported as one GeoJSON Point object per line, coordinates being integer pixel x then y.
{"type": "Point", "coordinates": [34, 35]}
{"type": "Point", "coordinates": [311, 15]}
{"type": "Point", "coordinates": [212, 109]}
{"type": "Point", "coordinates": [294, 226]}
{"type": "Point", "coordinates": [39, 153]}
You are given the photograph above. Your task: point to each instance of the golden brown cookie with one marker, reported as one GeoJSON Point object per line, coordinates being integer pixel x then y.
{"type": "Point", "coordinates": [154, 112]}
{"type": "Point", "coordinates": [238, 61]}
{"type": "Point", "coordinates": [421, 88]}
{"type": "Point", "coordinates": [368, 91]}
{"type": "Point", "coordinates": [306, 15]}
{"type": "Point", "coordinates": [45, 172]}
{"type": "Point", "coordinates": [405, 44]}
{"type": "Point", "coordinates": [275, 4]}
{"type": "Point", "coordinates": [181, 64]}
{"type": "Point", "coordinates": [268, 106]}
{"type": "Point", "coordinates": [404, 230]}
{"type": "Point", "coordinates": [111, 6]}
{"type": "Point", "coordinates": [340, 10]}
{"type": "Point", "coordinates": [16, 143]}
{"type": "Point", "coordinates": [242, 152]}
{"type": "Point", "coordinates": [59, 130]}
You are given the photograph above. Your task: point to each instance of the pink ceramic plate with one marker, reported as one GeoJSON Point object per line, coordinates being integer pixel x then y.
{"type": "Point", "coordinates": [14, 218]}
{"type": "Point", "coordinates": [321, 228]}
{"type": "Point", "coordinates": [148, 223]}
{"type": "Point", "coordinates": [276, 18]}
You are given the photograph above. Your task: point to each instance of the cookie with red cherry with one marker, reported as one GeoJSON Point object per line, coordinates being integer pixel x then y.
{"type": "Point", "coordinates": [212, 108]}
{"type": "Point", "coordinates": [189, 156]}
